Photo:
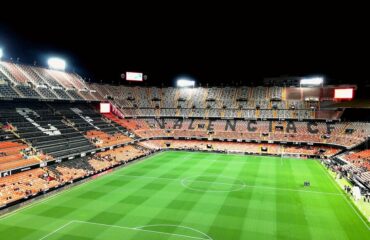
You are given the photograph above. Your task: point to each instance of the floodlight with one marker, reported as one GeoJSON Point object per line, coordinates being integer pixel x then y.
{"type": "Point", "coordinates": [57, 63]}
{"type": "Point", "coordinates": [185, 83]}
{"type": "Point", "coordinates": [312, 81]}
{"type": "Point", "coordinates": [1, 53]}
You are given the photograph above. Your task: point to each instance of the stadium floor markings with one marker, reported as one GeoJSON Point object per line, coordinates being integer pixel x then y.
{"type": "Point", "coordinates": [245, 185]}
{"type": "Point", "coordinates": [239, 186]}
{"type": "Point", "coordinates": [344, 196]}
{"type": "Point", "coordinates": [178, 226]}
{"type": "Point", "coordinates": [339, 192]}
{"type": "Point", "coordinates": [140, 228]}
{"type": "Point", "coordinates": [56, 230]}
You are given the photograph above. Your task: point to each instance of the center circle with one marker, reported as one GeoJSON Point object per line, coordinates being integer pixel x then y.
{"type": "Point", "coordinates": [212, 183]}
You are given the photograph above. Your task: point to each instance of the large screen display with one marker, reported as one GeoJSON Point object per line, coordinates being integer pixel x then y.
{"type": "Point", "coordinates": [134, 76]}
{"type": "Point", "coordinates": [344, 93]}
{"type": "Point", "coordinates": [104, 107]}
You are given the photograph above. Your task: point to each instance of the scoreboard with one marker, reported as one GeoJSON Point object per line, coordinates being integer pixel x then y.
{"type": "Point", "coordinates": [104, 107]}
{"type": "Point", "coordinates": [134, 76]}
{"type": "Point", "coordinates": [343, 93]}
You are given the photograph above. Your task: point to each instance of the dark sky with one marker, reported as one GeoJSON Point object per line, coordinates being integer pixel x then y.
{"type": "Point", "coordinates": [214, 51]}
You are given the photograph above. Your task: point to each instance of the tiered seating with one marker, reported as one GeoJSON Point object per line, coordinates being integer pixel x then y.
{"type": "Point", "coordinates": [61, 78]}
{"type": "Point", "coordinates": [44, 128]}
{"type": "Point", "coordinates": [276, 92]}
{"type": "Point", "coordinates": [280, 131]}
{"type": "Point", "coordinates": [256, 148]}
{"type": "Point", "coordinates": [85, 118]}
{"type": "Point", "coordinates": [62, 94]}
{"type": "Point", "coordinates": [124, 154]}
{"type": "Point", "coordinates": [7, 91]}
{"type": "Point", "coordinates": [101, 92]}
{"type": "Point", "coordinates": [48, 79]}
{"type": "Point", "coordinates": [22, 81]}
{"type": "Point", "coordinates": [365, 178]}
{"type": "Point", "coordinates": [102, 139]}
{"type": "Point", "coordinates": [74, 94]}
{"type": "Point", "coordinates": [31, 75]}
{"type": "Point", "coordinates": [81, 167]}
{"type": "Point", "coordinates": [214, 102]}
{"type": "Point", "coordinates": [69, 171]}
{"type": "Point", "coordinates": [24, 184]}
{"type": "Point", "coordinates": [27, 91]}
{"type": "Point", "coordinates": [8, 74]}
{"type": "Point", "coordinates": [45, 92]}
{"type": "Point", "coordinates": [360, 159]}
{"type": "Point", "coordinates": [16, 155]}
{"type": "Point", "coordinates": [76, 80]}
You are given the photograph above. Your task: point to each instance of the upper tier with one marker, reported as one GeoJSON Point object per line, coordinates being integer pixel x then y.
{"type": "Point", "coordinates": [23, 81]}
{"type": "Point", "coordinates": [244, 102]}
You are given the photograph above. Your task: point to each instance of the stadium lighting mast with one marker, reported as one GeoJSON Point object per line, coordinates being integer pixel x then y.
{"type": "Point", "coordinates": [313, 81]}
{"type": "Point", "coordinates": [57, 63]}
{"type": "Point", "coordinates": [185, 83]}
{"type": "Point", "coordinates": [1, 53]}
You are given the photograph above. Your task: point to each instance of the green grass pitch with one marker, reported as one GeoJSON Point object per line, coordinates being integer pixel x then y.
{"type": "Point", "coordinates": [191, 195]}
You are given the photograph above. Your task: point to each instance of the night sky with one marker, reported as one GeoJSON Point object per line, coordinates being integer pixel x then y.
{"type": "Point", "coordinates": [217, 52]}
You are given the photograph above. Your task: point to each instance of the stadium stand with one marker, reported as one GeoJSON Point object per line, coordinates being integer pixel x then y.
{"type": "Point", "coordinates": [51, 127]}
{"type": "Point", "coordinates": [359, 159]}
{"type": "Point", "coordinates": [24, 185]}
{"type": "Point", "coordinates": [284, 131]}
{"type": "Point", "coordinates": [16, 155]}
{"type": "Point", "coordinates": [254, 148]}
{"type": "Point", "coordinates": [259, 102]}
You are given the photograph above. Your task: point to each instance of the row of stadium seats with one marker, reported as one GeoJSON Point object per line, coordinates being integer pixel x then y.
{"type": "Point", "coordinates": [17, 155]}
{"type": "Point", "coordinates": [244, 102]}
{"type": "Point", "coordinates": [25, 184]}
{"type": "Point", "coordinates": [59, 129]}
{"type": "Point", "coordinates": [347, 134]}
{"type": "Point", "coordinates": [360, 159]}
{"type": "Point", "coordinates": [149, 97]}
{"type": "Point", "coordinates": [102, 139]}
{"type": "Point", "coordinates": [227, 113]}
{"type": "Point", "coordinates": [22, 81]}
{"type": "Point", "coordinates": [256, 148]}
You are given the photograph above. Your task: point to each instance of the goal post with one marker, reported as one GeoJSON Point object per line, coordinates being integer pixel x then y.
{"type": "Point", "coordinates": [283, 154]}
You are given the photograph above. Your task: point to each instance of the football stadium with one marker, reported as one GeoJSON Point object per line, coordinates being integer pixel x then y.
{"type": "Point", "coordinates": [79, 159]}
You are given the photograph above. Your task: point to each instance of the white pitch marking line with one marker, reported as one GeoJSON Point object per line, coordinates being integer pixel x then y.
{"type": "Point", "coordinates": [185, 179]}
{"type": "Point", "coordinates": [217, 183]}
{"type": "Point", "coordinates": [136, 176]}
{"type": "Point", "coordinates": [37, 202]}
{"type": "Point", "coordinates": [237, 184]}
{"type": "Point", "coordinates": [143, 230]}
{"type": "Point", "coordinates": [216, 191]}
{"type": "Point", "coordinates": [54, 195]}
{"type": "Point", "coordinates": [344, 196]}
{"type": "Point", "coordinates": [178, 226]}
{"type": "Point", "coordinates": [56, 230]}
